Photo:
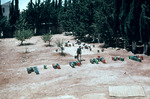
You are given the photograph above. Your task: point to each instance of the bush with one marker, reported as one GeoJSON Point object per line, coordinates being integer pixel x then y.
{"type": "Point", "coordinates": [60, 43]}
{"type": "Point", "coordinates": [22, 35]}
{"type": "Point", "coordinates": [47, 38]}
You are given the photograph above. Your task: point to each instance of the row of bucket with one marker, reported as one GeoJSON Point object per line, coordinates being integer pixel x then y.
{"type": "Point", "coordinates": [33, 69]}
{"type": "Point", "coordinates": [117, 58]}
{"type": "Point", "coordinates": [74, 63]}
{"type": "Point", "coordinates": [96, 60]}
{"type": "Point", "coordinates": [92, 61]}
{"type": "Point", "coordinates": [55, 66]}
{"type": "Point", "coordinates": [136, 58]}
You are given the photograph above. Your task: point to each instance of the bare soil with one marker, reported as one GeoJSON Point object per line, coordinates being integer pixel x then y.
{"type": "Point", "coordinates": [82, 82]}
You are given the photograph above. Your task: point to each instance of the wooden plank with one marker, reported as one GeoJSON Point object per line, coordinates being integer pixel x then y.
{"type": "Point", "coordinates": [126, 91]}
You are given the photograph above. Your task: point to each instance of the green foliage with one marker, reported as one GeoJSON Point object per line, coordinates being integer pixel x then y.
{"type": "Point", "coordinates": [1, 14]}
{"type": "Point", "coordinates": [47, 38]}
{"type": "Point", "coordinates": [5, 27]}
{"type": "Point", "coordinates": [144, 22]}
{"type": "Point", "coordinates": [108, 19]}
{"type": "Point", "coordinates": [60, 43]}
{"type": "Point", "coordinates": [22, 35]}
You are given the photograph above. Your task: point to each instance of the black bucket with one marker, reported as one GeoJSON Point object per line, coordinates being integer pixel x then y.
{"type": "Point", "coordinates": [72, 64]}
{"type": "Point", "coordinates": [91, 61]}
{"type": "Point", "coordinates": [30, 70]}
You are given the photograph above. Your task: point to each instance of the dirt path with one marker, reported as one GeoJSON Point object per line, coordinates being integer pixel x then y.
{"type": "Point", "coordinates": [82, 82]}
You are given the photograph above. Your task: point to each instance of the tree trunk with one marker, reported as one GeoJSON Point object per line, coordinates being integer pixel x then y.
{"type": "Point", "coordinates": [125, 44]}
{"type": "Point", "coordinates": [98, 38]}
{"type": "Point", "coordinates": [145, 49]}
{"type": "Point", "coordinates": [117, 41]}
{"type": "Point", "coordinates": [35, 30]}
{"type": "Point", "coordinates": [93, 38]}
{"type": "Point", "coordinates": [1, 35]}
{"type": "Point", "coordinates": [133, 47]}
{"type": "Point", "coordinates": [49, 43]}
{"type": "Point", "coordinates": [21, 43]}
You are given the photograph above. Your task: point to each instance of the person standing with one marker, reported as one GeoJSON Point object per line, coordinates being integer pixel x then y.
{"type": "Point", "coordinates": [79, 54]}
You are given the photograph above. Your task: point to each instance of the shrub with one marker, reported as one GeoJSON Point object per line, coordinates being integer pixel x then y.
{"type": "Point", "coordinates": [60, 43]}
{"type": "Point", "coordinates": [47, 38]}
{"type": "Point", "coordinates": [22, 35]}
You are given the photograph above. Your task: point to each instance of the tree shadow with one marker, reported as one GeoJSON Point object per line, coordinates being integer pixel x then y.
{"type": "Point", "coordinates": [63, 54]}
{"type": "Point", "coordinates": [26, 44]}
{"type": "Point", "coordinates": [49, 45]}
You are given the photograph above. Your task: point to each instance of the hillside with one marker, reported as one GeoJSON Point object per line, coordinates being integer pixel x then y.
{"type": "Point", "coordinates": [82, 82]}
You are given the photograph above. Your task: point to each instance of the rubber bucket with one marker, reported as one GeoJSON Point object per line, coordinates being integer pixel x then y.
{"type": "Point", "coordinates": [75, 63]}
{"type": "Point", "coordinates": [115, 59]}
{"type": "Point", "coordinates": [78, 64]}
{"type": "Point", "coordinates": [118, 58]}
{"type": "Point", "coordinates": [72, 64]}
{"type": "Point", "coordinates": [45, 67]}
{"type": "Point", "coordinates": [58, 67]}
{"type": "Point", "coordinates": [142, 57]}
{"type": "Point", "coordinates": [36, 70]}
{"type": "Point", "coordinates": [135, 58]}
{"type": "Point", "coordinates": [96, 61]}
{"type": "Point", "coordinates": [31, 69]}
{"type": "Point", "coordinates": [91, 61]}
{"type": "Point", "coordinates": [104, 61]}
{"type": "Point", "coordinates": [121, 59]}
{"type": "Point", "coordinates": [139, 59]}
{"type": "Point", "coordinates": [54, 66]}
{"type": "Point", "coordinates": [112, 58]}
{"type": "Point", "coordinates": [131, 57]}
{"type": "Point", "coordinates": [28, 70]}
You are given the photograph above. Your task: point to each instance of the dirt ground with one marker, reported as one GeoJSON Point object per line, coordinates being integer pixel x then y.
{"type": "Point", "coordinates": [88, 81]}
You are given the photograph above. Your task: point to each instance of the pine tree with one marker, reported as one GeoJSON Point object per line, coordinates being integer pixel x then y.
{"type": "Point", "coordinates": [144, 22]}
{"type": "Point", "coordinates": [56, 4]}
{"type": "Point", "coordinates": [17, 9]}
{"type": "Point", "coordinates": [53, 3]}
{"type": "Point", "coordinates": [1, 14]}
{"type": "Point", "coordinates": [60, 3]}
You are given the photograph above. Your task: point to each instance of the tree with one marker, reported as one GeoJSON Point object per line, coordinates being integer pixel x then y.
{"type": "Point", "coordinates": [0, 9]}
{"type": "Point", "coordinates": [17, 9]}
{"type": "Point", "coordinates": [60, 43]}
{"type": "Point", "coordinates": [144, 22]}
{"type": "Point", "coordinates": [22, 35]}
{"type": "Point", "coordinates": [47, 38]}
